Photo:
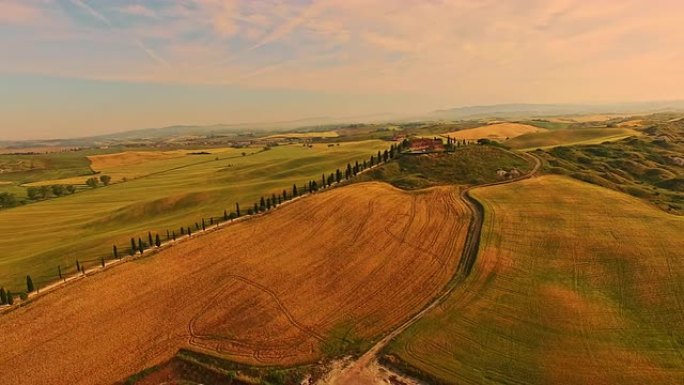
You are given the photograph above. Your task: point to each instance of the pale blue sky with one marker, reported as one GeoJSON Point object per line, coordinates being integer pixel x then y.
{"type": "Point", "coordinates": [78, 67]}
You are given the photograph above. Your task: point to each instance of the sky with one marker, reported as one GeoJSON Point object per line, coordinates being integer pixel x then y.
{"type": "Point", "coordinates": [84, 67]}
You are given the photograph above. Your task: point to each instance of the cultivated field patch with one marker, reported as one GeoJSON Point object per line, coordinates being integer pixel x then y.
{"type": "Point", "coordinates": [574, 284]}
{"type": "Point", "coordinates": [570, 136]}
{"type": "Point", "coordinates": [304, 135]}
{"type": "Point", "coordinates": [308, 279]}
{"type": "Point", "coordinates": [497, 131]}
{"type": "Point", "coordinates": [175, 192]}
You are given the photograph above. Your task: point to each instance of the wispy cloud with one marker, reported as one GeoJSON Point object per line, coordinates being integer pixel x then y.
{"type": "Point", "coordinates": [432, 53]}
{"type": "Point", "coordinates": [138, 10]}
{"type": "Point", "coordinates": [19, 12]}
{"type": "Point", "coordinates": [99, 16]}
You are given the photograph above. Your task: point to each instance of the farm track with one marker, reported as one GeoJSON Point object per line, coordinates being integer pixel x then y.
{"type": "Point", "coordinates": [357, 372]}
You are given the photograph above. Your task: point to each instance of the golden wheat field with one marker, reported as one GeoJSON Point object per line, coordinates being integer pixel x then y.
{"type": "Point", "coordinates": [498, 131]}
{"type": "Point", "coordinates": [277, 289]}
{"type": "Point", "coordinates": [574, 284]}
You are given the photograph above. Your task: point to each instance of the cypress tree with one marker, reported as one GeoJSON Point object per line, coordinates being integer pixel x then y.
{"type": "Point", "coordinates": [268, 203]}
{"type": "Point", "coordinates": [59, 271]}
{"type": "Point", "coordinates": [250, 211]}
{"type": "Point", "coordinates": [204, 226]}
{"type": "Point", "coordinates": [211, 220]}
{"type": "Point", "coordinates": [103, 262]}
{"type": "Point", "coordinates": [133, 248]}
{"type": "Point", "coordinates": [372, 162]}
{"type": "Point", "coordinates": [349, 171]}
{"type": "Point", "coordinates": [262, 204]}
{"type": "Point", "coordinates": [237, 209]}
{"type": "Point", "coordinates": [256, 208]}
{"type": "Point", "coordinates": [182, 231]}
{"type": "Point", "coordinates": [10, 298]}
{"type": "Point", "coordinates": [157, 241]}
{"type": "Point", "coordinates": [168, 236]}
{"type": "Point", "coordinates": [379, 157]}
{"type": "Point", "coordinates": [338, 176]}
{"type": "Point", "coordinates": [385, 156]}
{"type": "Point", "coordinates": [323, 181]}
{"type": "Point", "coordinates": [141, 246]}
{"type": "Point", "coordinates": [364, 165]}
{"type": "Point", "coordinates": [294, 190]}
{"type": "Point", "coordinates": [197, 226]}
{"type": "Point", "coordinates": [78, 266]}
{"type": "Point", "coordinates": [149, 238]}
{"type": "Point", "coordinates": [115, 252]}
{"type": "Point", "coordinates": [225, 215]}
{"type": "Point", "coordinates": [29, 284]}
{"type": "Point", "coordinates": [274, 200]}
{"type": "Point", "coordinates": [173, 234]}
{"type": "Point", "coordinates": [284, 195]}
{"type": "Point", "coordinates": [3, 296]}
{"type": "Point", "coordinates": [391, 152]}
{"type": "Point", "coordinates": [189, 232]}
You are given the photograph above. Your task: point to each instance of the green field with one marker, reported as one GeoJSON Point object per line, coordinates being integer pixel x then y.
{"type": "Point", "coordinates": [574, 284]}
{"type": "Point", "coordinates": [175, 192]}
{"type": "Point", "coordinates": [644, 167]}
{"type": "Point", "coordinates": [568, 136]}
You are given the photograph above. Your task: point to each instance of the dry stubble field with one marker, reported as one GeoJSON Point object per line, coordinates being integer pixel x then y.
{"type": "Point", "coordinates": [499, 131]}
{"type": "Point", "coordinates": [272, 290]}
{"type": "Point", "coordinates": [574, 284]}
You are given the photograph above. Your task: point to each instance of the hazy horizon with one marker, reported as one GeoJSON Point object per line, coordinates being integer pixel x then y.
{"type": "Point", "coordinates": [79, 68]}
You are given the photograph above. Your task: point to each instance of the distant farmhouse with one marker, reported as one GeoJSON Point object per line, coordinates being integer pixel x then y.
{"type": "Point", "coordinates": [425, 145]}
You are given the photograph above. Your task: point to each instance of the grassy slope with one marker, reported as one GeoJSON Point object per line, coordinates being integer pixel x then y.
{"type": "Point", "coordinates": [568, 136]}
{"type": "Point", "coordinates": [574, 284]}
{"type": "Point", "coordinates": [643, 166]}
{"type": "Point", "coordinates": [40, 236]}
{"type": "Point", "coordinates": [473, 164]}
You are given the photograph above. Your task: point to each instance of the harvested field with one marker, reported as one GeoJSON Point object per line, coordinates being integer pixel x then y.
{"type": "Point", "coordinates": [284, 288]}
{"type": "Point", "coordinates": [498, 131]}
{"type": "Point", "coordinates": [108, 161]}
{"type": "Point", "coordinates": [304, 135]}
{"type": "Point", "coordinates": [574, 284]}
{"type": "Point", "coordinates": [569, 136]}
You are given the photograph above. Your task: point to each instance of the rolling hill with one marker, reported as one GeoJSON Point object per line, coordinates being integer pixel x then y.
{"type": "Point", "coordinates": [574, 284]}
{"type": "Point", "coordinates": [321, 276]}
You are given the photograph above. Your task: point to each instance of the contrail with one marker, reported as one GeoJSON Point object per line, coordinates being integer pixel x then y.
{"type": "Point", "coordinates": [148, 51]}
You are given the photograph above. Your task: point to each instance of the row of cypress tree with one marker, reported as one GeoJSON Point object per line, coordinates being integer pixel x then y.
{"type": "Point", "coordinates": [264, 204]}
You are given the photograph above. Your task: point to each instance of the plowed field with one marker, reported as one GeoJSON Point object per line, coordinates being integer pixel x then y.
{"type": "Point", "coordinates": [348, 264]}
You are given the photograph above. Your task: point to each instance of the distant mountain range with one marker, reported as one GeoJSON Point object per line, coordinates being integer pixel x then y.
{"type": "Point", "coordinates": [498, 111]}
{"type": "Point", "coordinates": [511, 111]}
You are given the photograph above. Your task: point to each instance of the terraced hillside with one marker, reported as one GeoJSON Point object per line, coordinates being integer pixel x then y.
{"type": "Point", "coordinates": [323, 275]}
{"type": "Point", "coordinates": [574, 284]}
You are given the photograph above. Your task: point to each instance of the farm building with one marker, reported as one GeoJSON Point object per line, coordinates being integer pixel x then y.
{"type": "Point", "coordinates": [426, 145]}
{"type": "Point", "coordinates": [513, 173]}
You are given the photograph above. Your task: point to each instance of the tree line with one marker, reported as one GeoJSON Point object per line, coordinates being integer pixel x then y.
{"type": "Point", "coordinates": [138, 245]}
{"type": "Point", "coordinates": [36, 193]}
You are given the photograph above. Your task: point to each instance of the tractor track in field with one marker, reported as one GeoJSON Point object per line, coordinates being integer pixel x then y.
{"type": "Point", "coordinates": [366, 370]}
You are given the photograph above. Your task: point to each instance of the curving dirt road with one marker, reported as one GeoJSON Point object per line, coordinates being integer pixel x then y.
{"type": "Point", "coordinates": [366, 370]}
